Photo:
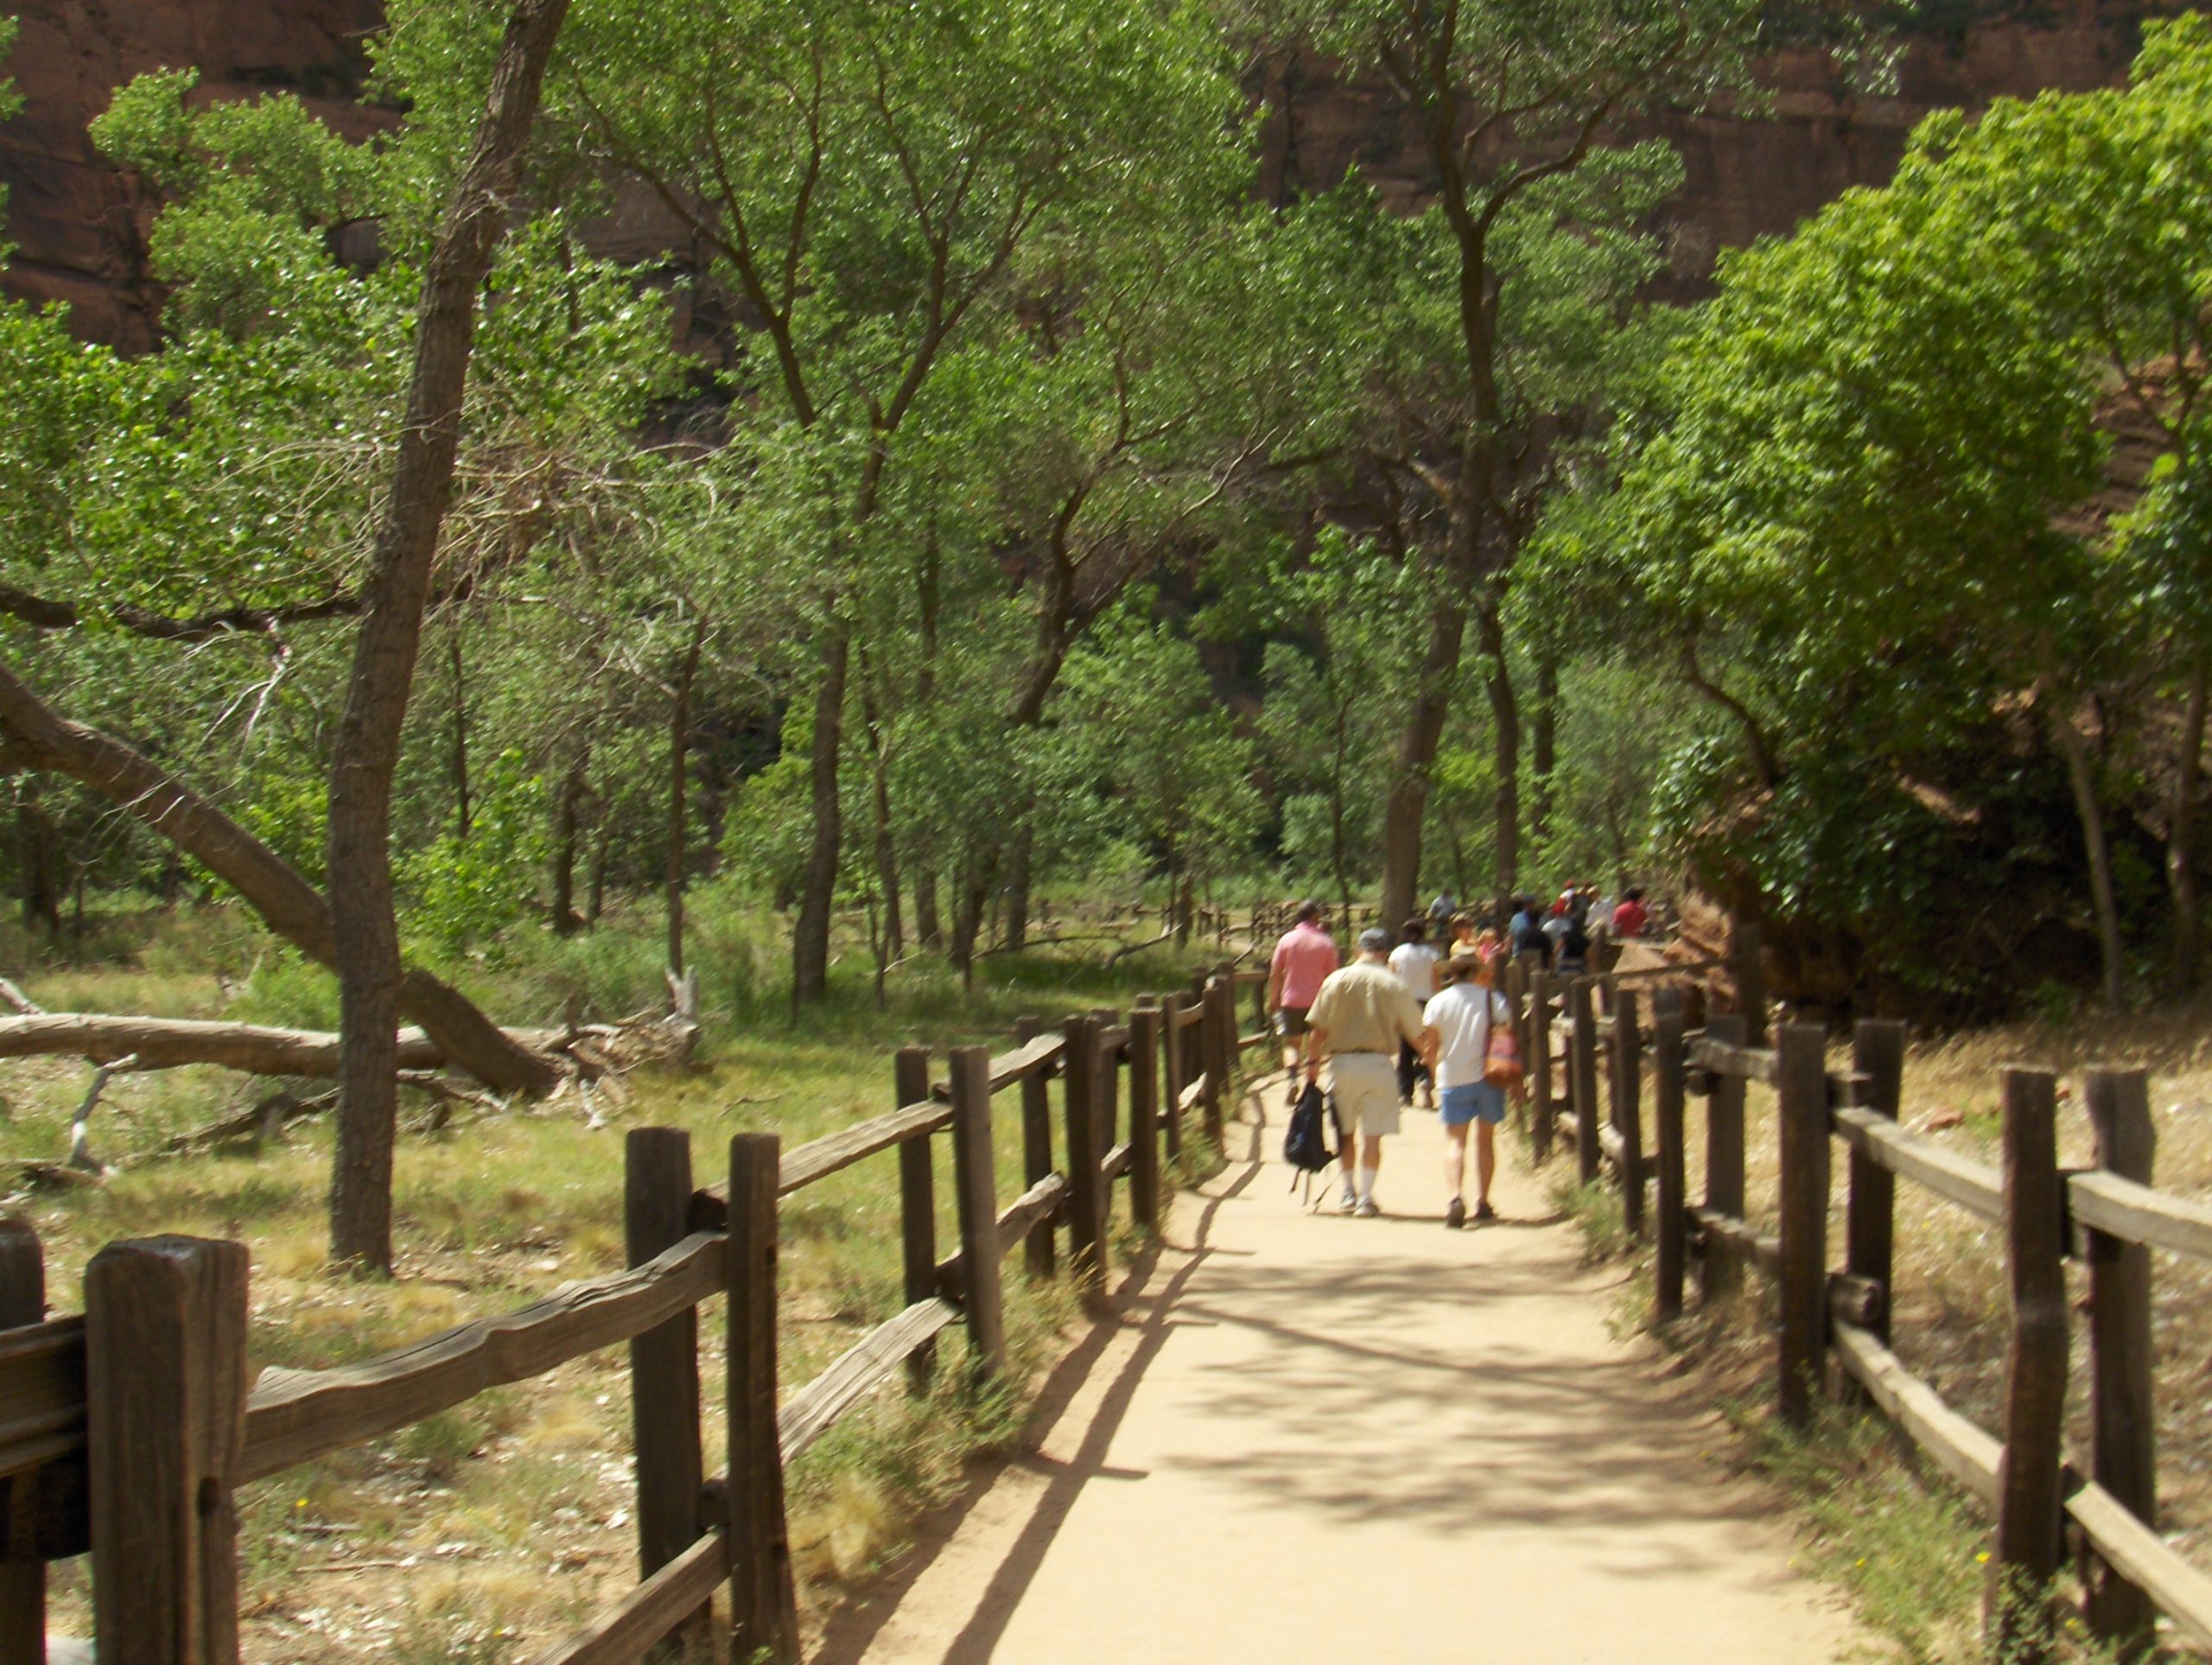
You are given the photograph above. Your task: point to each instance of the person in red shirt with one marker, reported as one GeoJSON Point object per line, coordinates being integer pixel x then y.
{"type": "Point", "coordinates": [1632, 916]}
{"type": "Point", "coordinates": [1303, 960]}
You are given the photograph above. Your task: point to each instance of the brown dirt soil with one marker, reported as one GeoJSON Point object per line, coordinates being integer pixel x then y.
{"type": "Point", "coordinates": [1311, 1437]}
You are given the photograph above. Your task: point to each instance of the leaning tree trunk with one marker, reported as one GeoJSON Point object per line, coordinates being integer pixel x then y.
{"type": "Point", "coordinates": [1020, 850]}
{"type": "Point", "coordinates": [390, 640]}
{"type": "Point", "coordinates": [818, 894]}
{"type": "Point", "coordinates": [1505, 718]}
{"type": "Point", "coordinates": [2084, 781]}
{"type": "Point", "coordinates": [568, 817]}
{"type": "Point", "coordinates": [1408, 799]}
{"type": "Point", "coordinates": [2181, 838]}
{"type": "Point", "coordinates": [679, 779]}
{"type": "Point", "coordinates": [1543, 751]}
{"type": "Point", "coordinates": [33, 736]}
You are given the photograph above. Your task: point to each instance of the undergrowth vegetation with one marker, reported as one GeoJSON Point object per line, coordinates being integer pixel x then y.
{"type": "Point", "coordinates": [483, 1532]}
{"type": "Point", "coordinates": [1870, 1514]}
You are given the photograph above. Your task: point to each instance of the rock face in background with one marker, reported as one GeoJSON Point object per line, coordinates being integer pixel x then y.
{"type": "Point", "coordinates": [81, 227]}
{"type": "Point", "coordinates": [1744, 179]}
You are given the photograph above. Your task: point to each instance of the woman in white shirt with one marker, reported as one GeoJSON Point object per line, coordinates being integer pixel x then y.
{"type": "Point", "coordinates": [1455, 1040]}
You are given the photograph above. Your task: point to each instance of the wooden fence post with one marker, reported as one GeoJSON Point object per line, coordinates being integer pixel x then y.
{"type": "Point", "coordinates": [22, 1583]}
{"type": "Point", "coordinates": [1877, 1052]}
{"type": "Point", "coordinates": [1225, 1104]}
{"type": "Point", "coordinates": [1668, 1075]}
{"type": "Point", "coordinates": [910, 1084]}
{"type": "Point", "coordinates": [764, 1610]}
{"type": "Point", "coordinates": [2031, 1504]}
{"type": "Point", "coordinates": [1582, 1075]}
{"type": "Point", "coordinates": [1720, 1273]}
{"type": "Point", "coordinates": [1036, 1149]}
{"type": "Point", "coordinates": [1086, 1184]}
{"type": "Point", "coordinates": [1209, 1054]}
{"type": "Point", "coordinates": [1803, 1089]}
{"type": "Point", "coordinates": [1174, 1078]}
{"type": "Point", "coordinates": [165, 1377]}
{"type": "Point", "coordinates": [1747, 965]}
{"type": "Point", "coordinates": [1540, 1061]}
{"type": "Point", "coordinates": [1628, 1107]}
{"type": "Point", "coordinates": [663, 1371]}
{"type": "Point", "coordinates": [1106, 1086]}
{"type": "Point", "coordinates": [975, 1170]}
{"type": "Point", "coordinates": [1144, 1114]}
{"type": "Point", "coordinates": [2124, 1451]}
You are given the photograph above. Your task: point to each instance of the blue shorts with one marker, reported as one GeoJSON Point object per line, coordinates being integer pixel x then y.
{"type": "Point", "coordinates": [1477, 1101]}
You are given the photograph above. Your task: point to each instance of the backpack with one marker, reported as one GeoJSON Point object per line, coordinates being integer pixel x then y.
{"type": "Point", "coordinates": [1306, 1146]}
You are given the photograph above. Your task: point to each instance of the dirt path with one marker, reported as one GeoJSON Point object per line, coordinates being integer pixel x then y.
{"type": "Point", "coordinates": [1317, 1438]}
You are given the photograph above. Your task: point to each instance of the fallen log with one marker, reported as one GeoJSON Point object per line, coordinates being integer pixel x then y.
{"type": "Point", "coordinates": [34, 736]}
{"type": "Point", "coordinates": [166, 1042]}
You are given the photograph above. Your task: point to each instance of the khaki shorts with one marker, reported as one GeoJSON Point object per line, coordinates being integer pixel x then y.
{"type": "Point", "coordinates": [1363, 1086]}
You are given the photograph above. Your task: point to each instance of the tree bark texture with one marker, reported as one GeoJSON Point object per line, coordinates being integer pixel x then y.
{"type": "Point", "coordinates": [567, 818]}
{"type": "Point", "coordinates": [2181, 839]}
{"type": "Point", "coordinates": [1505, 718]}
{"type": "Point", "coordinates": [811, 939]}
{"type": "Point", "coordinates": [1543, 751]}
{"type": "Point", "coordinates": [2082, 779]}
{"type": "Point", "coordinates": [1407, 800]}
{"type": "Point", "coordinates": [33, 736]}
{"type": "Point", "coordinates": [679, 779]}
{"type": "Point", "coordinates": [390, 640]}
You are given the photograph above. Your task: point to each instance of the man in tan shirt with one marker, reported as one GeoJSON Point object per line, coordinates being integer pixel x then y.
{"type": "Point", "coordinates": [1357, 1022]}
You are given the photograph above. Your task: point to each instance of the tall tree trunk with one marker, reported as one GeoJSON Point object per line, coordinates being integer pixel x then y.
{"type": "Point", "coordinates": [464, 816]}
{"type": "Point", "coordinates": [1506, 720]}
{"type": "Point", "coordinates": [929, 929]}
{"type": "Point", "coordinates": [390, 639]}
{"type": "Point", "coordinates": [679, 780]}
{"type": "Point", "coordinates": [2181, 838]}
{"type": "Point", "coordinates": [1337, 852]}
{"type": "Point", "coordinates": [2084, 781]}
{"type": "Point", "coordinates": [891, 932]}
{"type": "Point", "coordinates": [37, 852]}
{"type": "Point", "coordinates": [968, 908]}
{"type": "Point", "coordinates": [33, 736]}
{"type": "Point", "coordinates": [596, 893]}
{"type": "Point", "coordinates": [567, 804]}
{"type": "Point", "coordinates": [1543, 751]}
{"type": "Point", "coordinates": [1407, 801]}
{"type": "Point", "coordinates": [1020, 846]}
{"type": "Point", "coordinates": [811, 938]}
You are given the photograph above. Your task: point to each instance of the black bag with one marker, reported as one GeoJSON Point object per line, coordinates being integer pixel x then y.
{"type": "Point", "coordinates": [1306, 1146]}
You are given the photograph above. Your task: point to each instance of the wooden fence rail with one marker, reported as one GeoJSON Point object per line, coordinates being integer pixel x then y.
{"type": "Point", "coordinates": [126, 1432]}
{"type": "Point", "coordinates": [2108, 1215]}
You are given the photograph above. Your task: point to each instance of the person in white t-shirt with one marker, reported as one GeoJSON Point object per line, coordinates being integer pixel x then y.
{"type": "Point", "coordinates": [1455, 1040]}
{"type": "Point", "coordinates": [1414, 961]}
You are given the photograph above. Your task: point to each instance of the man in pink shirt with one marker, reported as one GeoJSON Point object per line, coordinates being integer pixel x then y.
{"type": "Point", "coordinates": [1303, 960]}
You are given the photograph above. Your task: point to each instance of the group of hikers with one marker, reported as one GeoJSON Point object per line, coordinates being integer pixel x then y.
{"type": "Point", "coordinates": [1412, 1019]}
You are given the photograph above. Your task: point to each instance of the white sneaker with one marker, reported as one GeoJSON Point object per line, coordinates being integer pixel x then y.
{"type": "Point", "coordinates": [1347, 1203]}
{"type": "Point", "coordinates": [1367, 1211]}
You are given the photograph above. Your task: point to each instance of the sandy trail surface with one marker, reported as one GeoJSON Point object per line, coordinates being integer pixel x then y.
{"type": "Point", "coordinates": [1311, 1437]}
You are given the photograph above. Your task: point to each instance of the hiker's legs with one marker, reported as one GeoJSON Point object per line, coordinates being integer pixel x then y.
{"type": "Point", "coordinates": [1485, 1158]}
{"type": "Point", "coordinates": [1406, 1069]}
{"type": "Point", "coordinates": [1370, 1160]}
{"type": "Point", "coordinates": [1455, 1162]}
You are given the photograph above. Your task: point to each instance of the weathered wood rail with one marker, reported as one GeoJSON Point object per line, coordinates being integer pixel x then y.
{"type": "Point", "coordinates": [126, 1431]}
{"type": "Point", "coordinates": [2106, 1218]}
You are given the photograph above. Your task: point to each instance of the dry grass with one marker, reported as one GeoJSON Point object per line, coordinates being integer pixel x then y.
{"type": "Point", "coordinates": [1949, 1314]}
{"type": "Point", "coordinates": [488, 1531]}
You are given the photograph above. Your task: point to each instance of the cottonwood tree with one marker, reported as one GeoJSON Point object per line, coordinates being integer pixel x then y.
{"type": "Point", "coordinates": [1510, 289]}
{"type": "Point", "coordinates": [865, 184]}
{"type": "Point", "coordinates": [1858, 483]}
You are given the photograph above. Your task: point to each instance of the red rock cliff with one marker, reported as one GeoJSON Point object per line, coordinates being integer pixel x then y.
{"type": "Point", "coordinates": [80, 229]}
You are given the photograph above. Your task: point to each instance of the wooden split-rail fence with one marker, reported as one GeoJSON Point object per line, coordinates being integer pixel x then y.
{"type": "Point", "coordinates": [1611, 1031]}
{"type": "Point", "coordinates": [127, 1430]}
